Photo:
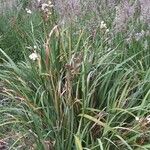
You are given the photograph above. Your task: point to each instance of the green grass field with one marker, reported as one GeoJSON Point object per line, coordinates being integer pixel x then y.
{"type": "Point", "coordinates": [74, 80]}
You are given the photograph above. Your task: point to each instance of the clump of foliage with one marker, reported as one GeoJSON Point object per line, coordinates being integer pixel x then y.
{"type": "Point", "coordinates": [77, 88]}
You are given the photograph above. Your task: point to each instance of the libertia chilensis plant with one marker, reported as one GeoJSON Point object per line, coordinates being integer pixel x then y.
{"type": "Point", "coordinates": [82, 84]}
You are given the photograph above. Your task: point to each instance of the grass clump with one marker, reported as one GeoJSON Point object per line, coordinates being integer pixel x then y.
{"type": "Point", "coordinates": [76, 89]}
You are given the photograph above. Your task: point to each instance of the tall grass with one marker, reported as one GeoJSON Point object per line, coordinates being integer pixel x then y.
{"type": "Point", "coordinates": [83, 91]}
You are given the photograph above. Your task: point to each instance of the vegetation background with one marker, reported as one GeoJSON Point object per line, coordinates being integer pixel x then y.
{"type": "Point", "coordinates": [75, 75]}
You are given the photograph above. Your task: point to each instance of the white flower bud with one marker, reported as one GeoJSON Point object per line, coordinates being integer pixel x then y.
{"type": "Point", "coordinates": [137, 118]}
{"type": "Point", "coordinates": [44, 6]}
{"type": "Point", "coordinates": [33, 56]}
{"type": "Point", "coordinates": [103, 25]}
{"type": "Point", "coordinates": [107, 30]}
{"type": "Point", "coordinates": [28, 11]}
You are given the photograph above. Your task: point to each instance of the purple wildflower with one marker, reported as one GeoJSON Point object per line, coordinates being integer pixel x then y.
{"type": "Point", "coordinates": [145, 10]}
